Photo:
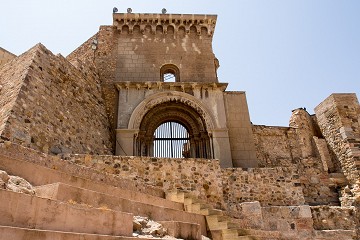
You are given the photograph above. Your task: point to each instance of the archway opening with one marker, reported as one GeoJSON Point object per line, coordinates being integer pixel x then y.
{"type": "Point", "coordinates": [171, 140]}
{"type": "Point", "coordinates": [173, 129]}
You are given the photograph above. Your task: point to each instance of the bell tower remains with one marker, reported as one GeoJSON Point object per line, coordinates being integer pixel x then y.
{"type": "Point", "coordinates": [159, 78]}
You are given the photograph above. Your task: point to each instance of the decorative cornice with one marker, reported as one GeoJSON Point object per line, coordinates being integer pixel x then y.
{"type": "Point", "coordinates": [177, 21]}
{"type": "Point", "coordinates": [171, 86]}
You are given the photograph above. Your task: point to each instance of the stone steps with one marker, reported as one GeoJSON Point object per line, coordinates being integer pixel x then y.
{"type": "Point", "coordinates": [67, 193]}
{"type": "Point", "coordinates": [79, 192]}
{"type": "Point", "coordinates": [46, 175]}
{"type": "Point", "coordinates": [220, 225]}
{"type": "Point", "coordinates": [16, 233]}
{"type": "Point", "coordinates": [28, 211]}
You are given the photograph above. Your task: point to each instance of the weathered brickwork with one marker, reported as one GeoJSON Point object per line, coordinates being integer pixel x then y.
{"type": "Point", "coordinates": [5, 56]}
{"type": "Point", "coordinates": [188, 46]}
{"type": "Point", "coordinates": [14, 152]}
{"type": "Point", "coordinates": [58, 109]}
{"type": "Point", "coordinates": [205, 179]}
{"type": "Point", "coordinates": [269, 186]}
{"type": "Point", "coordinates": [11, 80]}
{"type": "Point", "coordinates": [293, 222]}
{"type": "Point", "coordinates": [333, 217]}
{"type": "Point", "coordinates": [275, 146]}
{"type": "Point", "coordinates": [200, 177]}
{"type": "Point", "coordinates": [109, 96]}
{"type": "Point", "coordinates": [338, 118]}
{"type": "Point", "coordinates": [280, 146]}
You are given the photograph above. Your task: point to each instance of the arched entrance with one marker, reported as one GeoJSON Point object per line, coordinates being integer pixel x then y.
{"type": "Point", "coordinates": [173, 129]}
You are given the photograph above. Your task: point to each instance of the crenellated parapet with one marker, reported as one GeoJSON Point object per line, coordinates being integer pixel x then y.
{"type": "Point", "coordinates": [165, 23]}
{"type": "Point", "coordinates": [171, 86]}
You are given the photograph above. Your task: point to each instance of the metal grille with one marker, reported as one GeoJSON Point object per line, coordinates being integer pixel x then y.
{"type": "Point", "coordinates": [169, 77]}
{"type": "Point", "coordinates": [171, 140]}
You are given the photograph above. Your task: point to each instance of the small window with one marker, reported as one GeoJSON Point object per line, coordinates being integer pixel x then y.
{"type": "Point", "coordinates": [169, 73]}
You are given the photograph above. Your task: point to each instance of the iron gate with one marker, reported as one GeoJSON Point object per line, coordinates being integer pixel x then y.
{"type": "Point", "coordinates": [171, 140]}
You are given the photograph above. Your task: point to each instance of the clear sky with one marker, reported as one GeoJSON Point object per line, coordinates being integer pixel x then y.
{"type": "Point", "coordinates": [285, 54]}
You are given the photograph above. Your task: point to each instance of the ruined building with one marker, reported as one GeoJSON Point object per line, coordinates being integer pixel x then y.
{"type": "Point", "coordinates": [136, 122]}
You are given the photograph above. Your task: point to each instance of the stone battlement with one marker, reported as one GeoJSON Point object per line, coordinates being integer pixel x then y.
{"type": "Point", "coordinates": [165, 23]}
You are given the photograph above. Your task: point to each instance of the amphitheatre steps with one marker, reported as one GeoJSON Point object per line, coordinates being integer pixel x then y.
{"type": "Point", "coordinates": [83, 177]}
{"type": "Point", "coordinates": [78, 190]}
{"type": "Point", "coordinates": [10, 233]}
{"type": "Point", "coordinates": [66, 193]}
{"type": "Point", "coordinates": [28, 211]}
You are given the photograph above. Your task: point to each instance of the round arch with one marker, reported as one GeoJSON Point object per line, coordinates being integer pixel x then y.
{"type": "Point", "coordinates": [175, 107]}
{"type": "Point", "coordinates": [163, 97]}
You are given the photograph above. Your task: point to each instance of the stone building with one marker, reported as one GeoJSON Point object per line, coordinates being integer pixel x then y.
{"type": "Point", "coordinates": [137, 113]}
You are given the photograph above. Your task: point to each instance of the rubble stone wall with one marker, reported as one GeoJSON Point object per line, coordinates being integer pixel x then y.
{"type": "Point", "coordinates": [296, 145]}
{"type": "Point", "coordinates": [104, 58]}
{"type": "Point", "coordinates": [269, 186]}
{"type": "Point", "coordinates": [333, 217]}
{"type": "Point", "coordinates": [294, 222]}
{"type": "Point", "coordinates": [339, 120]}
{"type": "Point", "coordinates": [59, 109]}
{"type": "Point", "coordinates": [11, 80]}
{"type": "Point", "coordinates": [274, 145]}
{"type": "Point", "coordinates": [199, 176]}
{"type": "Point", "coordinates": [205, 178]}
{"type": "Point", "coordinates": [5, 56]}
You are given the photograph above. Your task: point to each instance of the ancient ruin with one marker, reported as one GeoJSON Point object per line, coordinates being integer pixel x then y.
{"type": "Point", "coordinates": [135, 122]}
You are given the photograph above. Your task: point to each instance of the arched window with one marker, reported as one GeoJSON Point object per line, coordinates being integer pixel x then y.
{"type": "Point", "coordinates": [169, 73]}
{"type": "Point", "coordinates": [171, 139]}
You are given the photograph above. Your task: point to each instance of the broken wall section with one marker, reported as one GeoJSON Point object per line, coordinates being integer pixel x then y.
{"type": "Point", "coordinates": [299, 145]}
{"type": "Point", "coordinates": [339, 120]}
{"type": "Point", "coordinates": [59, 109]}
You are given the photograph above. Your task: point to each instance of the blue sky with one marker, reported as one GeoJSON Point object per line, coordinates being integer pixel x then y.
{"type": "Point", "coordinates": [284, 53]}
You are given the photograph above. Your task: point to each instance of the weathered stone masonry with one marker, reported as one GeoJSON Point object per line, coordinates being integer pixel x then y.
{"type": "Point", "coordinates": [56, 107]}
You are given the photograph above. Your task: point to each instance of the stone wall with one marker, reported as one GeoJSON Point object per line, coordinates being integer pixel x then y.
{"type": "Point", "coordinates": [104, 58]}
{"type": "Point", "coordinates": [51, 169]}
{"type": "Point", "coordinates": [11, 80]}
{"type": "Point", "coordinates": [269, 186]}
{"type": "Point", "coordinates": [141, 50]}
{"type": "Point", "coordinates": [240, 132]}
{"type": "Point", "coordinates": [5, 56]}
{"type": "Point", "coordinates": [339, 120]}
{"type": "Point", "coordinates": [205, 179]}
{"type": "Point", "coordinates": [294, 222]}
{"type": "Point", "coordinates": [198, 176]}
{"type": "Point", "coordinates": [275, 146]}
{"type": "Point", "coordinates": [303, 146]}
{"type": "Point", "coordinates": [59, 109]}
{"type": "Point", "coordinates": [332, 217]}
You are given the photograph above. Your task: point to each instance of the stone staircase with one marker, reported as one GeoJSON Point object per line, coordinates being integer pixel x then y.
{"type": "Point", "coordinates": [221, 226]}
{"type": "Point", "coordinates": [78, 202]}
{"type": "Point", "coordinates": [73, 202]}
